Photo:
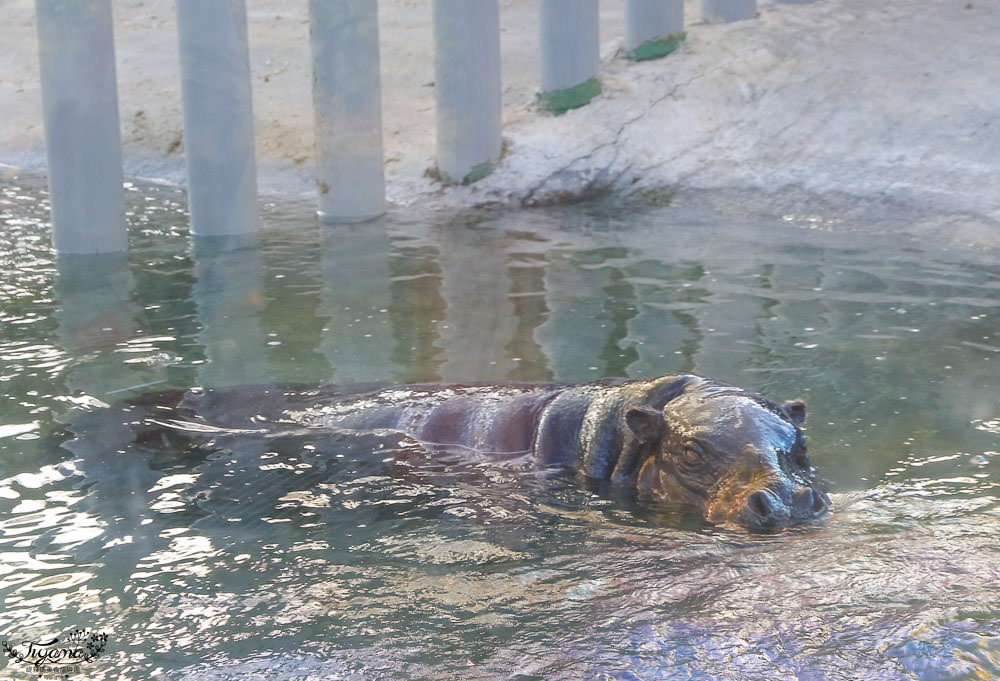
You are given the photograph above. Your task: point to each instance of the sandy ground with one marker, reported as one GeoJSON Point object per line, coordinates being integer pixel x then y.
{"type": "Point", "coordinates": [845, 107]}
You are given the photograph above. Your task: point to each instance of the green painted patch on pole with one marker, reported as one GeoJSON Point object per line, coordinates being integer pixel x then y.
{"type": "Point", "coordinates": [657, 47]}
{"type": "Point", "coordinates": [478, 172]}
{"type": "Point", "coordinates": [560, 101]}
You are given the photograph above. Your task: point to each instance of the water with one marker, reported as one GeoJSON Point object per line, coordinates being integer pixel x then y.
{"type": "Point", "coordinates": [297, 556]}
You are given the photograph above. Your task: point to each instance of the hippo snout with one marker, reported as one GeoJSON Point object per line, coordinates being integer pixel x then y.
{"type": "Point", "coordinates": [769, 509]}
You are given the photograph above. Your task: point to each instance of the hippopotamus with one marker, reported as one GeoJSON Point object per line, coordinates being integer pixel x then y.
{"type": "Point", "coordinates": [728, 455]}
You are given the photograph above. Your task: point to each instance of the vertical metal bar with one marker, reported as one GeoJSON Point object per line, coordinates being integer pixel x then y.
{"type": "Point", "coordinates": [80, 106]}
{"type": "Point", "coordinates": [722, 11]}
{"type": "Point", "coordinates": [467, 85]}
{"type": "Point", "coordinates": [218, 116]}
{"type": "Point", "coordinates": [570, 39]}
{"type": "Point", "coordinates": [347, 105]}
{"type": "Point", "coordinates": [653, 28]}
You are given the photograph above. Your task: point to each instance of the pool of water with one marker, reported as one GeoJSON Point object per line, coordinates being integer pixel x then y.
{"type": "Point", "coordinates": [299, 556]}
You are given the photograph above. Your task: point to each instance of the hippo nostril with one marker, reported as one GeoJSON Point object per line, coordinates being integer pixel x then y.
{"type": "Point", "coordinates": [761, 504]}
{"type": "Point", "coordinates": [809, 502]}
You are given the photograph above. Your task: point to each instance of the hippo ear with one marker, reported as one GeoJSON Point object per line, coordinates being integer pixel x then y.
{"type": "Point", "coordinates": [672, 389]}
{"type": "Point", "coordinates": [796, 410]}
{"type": "Point", "coordinates": [645, 423]}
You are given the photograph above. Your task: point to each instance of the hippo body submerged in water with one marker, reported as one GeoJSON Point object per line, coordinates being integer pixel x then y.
{"type": "Point", "coordinates": [728, 455]}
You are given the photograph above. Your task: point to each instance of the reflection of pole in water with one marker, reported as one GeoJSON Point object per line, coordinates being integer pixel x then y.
{"type": "Point", "coordinates": [356, 300]}
{"type": "Point", "coordinates": [97, 320]}
{"type": "Point", "coordinates": [768, 345]}
{"type": "Point", "coordinates": [527, 279]}
{"type": "Point", "coordinates": [620, 307]}
{"type": "Point", "coordinates": [665, 329]}
{"type": "Point", "coordinates": [589, 303]}
{"type": "Point", "coordinates": [735, 319]}
{"type": "Point", "coordinates": [726, 324]}
{"type": "Point", "coordinates": [416, 306]}
{"type": "Point", "coordinates": [478, 324]}
{"type": "Point", "coordinates": [96, 316]}
{"type": "Point", "coordinates": [227, 292]}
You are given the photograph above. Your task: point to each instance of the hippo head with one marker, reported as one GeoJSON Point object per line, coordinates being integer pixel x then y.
{"type": "Point", "coordinates": [733, 455]}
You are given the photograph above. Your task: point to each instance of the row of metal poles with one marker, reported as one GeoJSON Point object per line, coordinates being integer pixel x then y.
{"type": "Point", "coordinates": [80, 101]}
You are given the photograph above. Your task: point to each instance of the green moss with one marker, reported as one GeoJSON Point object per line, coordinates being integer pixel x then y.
{"type": "Point", "coordinates": [657, 47]}
{"type": "Point", "coordinates": [560, 101]}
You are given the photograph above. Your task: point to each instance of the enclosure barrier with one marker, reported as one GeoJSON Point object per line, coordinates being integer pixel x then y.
{"type": "Point", "coordinates": [80, 107]}
{"type": "Point", "coordinates": [718, 11]}
{"type": "Point", "coordinates": [80, 101]}
{"type": "Point", "coordinates": [218, 117]}
{"type": "Point", "coordinates": [570, 43]}
{"type": "Point", "coordinates": [467, 85]}
{"type": "Point", "coordinates": [347, 106]}
{"type": "Point", "coordinates": [653, 28]}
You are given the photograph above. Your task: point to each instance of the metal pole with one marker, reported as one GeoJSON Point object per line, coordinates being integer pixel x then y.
{"type": "Point", "coordinates": [218, 117]}
{"type": "Point", "coordinates": [653, 28]}
{"type": "Point", "coordinates": [570, 36]}
{"type": "Point", "coordinates": [80, 107]}
{"type": "Point", "coordinates": [347, 105]}
{"type": "Point", "coordinates": [467, 84]}
{"type": "Point", "coordinates": [722, 11]}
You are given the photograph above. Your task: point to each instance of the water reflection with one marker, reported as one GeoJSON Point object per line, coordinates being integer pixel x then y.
{"type": "Point", "coordinates": [553, 296]}
{"type": "Point", "coordinates": [228, 292]}
{"type": "Point", "coordinates": [298, 554]}
{"type": "Point", "coordinates": [478, 327]}
{"type": "Point", "coordinates": [96, 312]}
{"type": "Point", "coordinates": [356, 298]}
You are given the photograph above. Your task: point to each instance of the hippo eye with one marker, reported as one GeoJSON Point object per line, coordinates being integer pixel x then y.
{"type": "Point", "coordinates": [692, 456]}
{"type": "Point", "coordinates": [801, 457]}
